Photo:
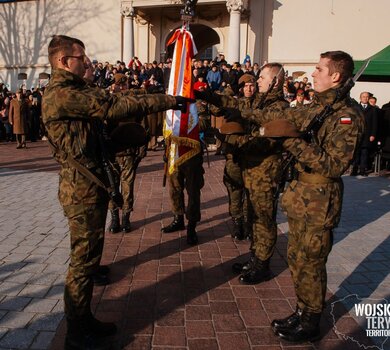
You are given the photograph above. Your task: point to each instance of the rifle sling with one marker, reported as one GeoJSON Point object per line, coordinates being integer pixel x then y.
{"type": "Point", "coordinates": [79, 167]}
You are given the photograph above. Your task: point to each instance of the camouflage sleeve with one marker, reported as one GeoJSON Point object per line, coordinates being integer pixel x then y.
{"type": "Point", "coordinates": [226, 101]}
{"type": "Point", "coordinates": [96, 103]}
{"type": "Point", "coordinates": [214, 110]}
{"type": "Point", "coordinates": [262, 116]}
{"type": "Point", "coordinates": [229, 101]}
{"type": "Point", "coordinates": [333, 157]}
{"type": "Point", "coordinates": [132, 106]}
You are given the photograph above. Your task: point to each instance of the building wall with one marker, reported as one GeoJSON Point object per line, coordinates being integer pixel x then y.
{"type": "Point", "coordinates": [300, 30]}
{"type": "Point", "coordinates": [26, 28]}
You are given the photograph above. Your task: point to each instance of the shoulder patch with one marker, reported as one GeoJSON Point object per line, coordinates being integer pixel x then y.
{"type": "Point", "coordinates": [345, 119]}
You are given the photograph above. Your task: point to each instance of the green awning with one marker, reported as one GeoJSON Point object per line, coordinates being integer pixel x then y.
{"type": "Point", "coordinates": [379, 67]}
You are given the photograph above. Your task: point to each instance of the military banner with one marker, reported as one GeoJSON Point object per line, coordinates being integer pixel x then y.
{"type": "Point", "coordinates": [181, 130]}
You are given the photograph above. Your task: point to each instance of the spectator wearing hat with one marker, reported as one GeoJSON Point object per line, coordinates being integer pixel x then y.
{"type": "Point", "coordinates": [18, 117]}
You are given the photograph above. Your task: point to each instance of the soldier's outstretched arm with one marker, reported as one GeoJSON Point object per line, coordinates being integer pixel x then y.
{"type": "Point", "coordinates": [125, 107]}
{"type": "Point", "coordinates": [265, 115]}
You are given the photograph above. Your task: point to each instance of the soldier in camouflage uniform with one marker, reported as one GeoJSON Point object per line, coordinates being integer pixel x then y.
{"type": "Point", "coordinates": [189, 176]}
{"type": "Point", "coordinates": [126, 163]}
{"type": "Point", "coordinates": [313, 199]}
{"type": "Point", "coordinates": [260, 173]}
{"type": "Point", "coordinates": [72, 112]}
{"type": "Point", "coordinates": [239, 209]}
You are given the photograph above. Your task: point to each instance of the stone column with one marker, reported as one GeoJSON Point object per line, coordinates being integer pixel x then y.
{"type": "Point", "coordinates": [235, 8]}
{"type": "Point", "coordinates": [128, 14]}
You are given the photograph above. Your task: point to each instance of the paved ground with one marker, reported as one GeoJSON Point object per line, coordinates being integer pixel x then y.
{"type": "Point", "coordinates": [165, 295]}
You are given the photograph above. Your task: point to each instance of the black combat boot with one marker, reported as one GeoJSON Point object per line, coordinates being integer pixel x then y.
{"type": "Point", "coordinates": [248, 231]}
{"type": "Point", "coordinates": [259, 272]}
{"type": "Point", "coordinates": [87, 333]}
{"type": "Point", "coordinates": [114, 225]}
{"type": "Point", "coordinates": [238, 229]}
{"type": "Point", "coordinates": [192, 238]}
{"type": "Point", "coordinates": [176, 225]}
{"type": "Point", "coordinates": [126, 227]}
{"type": "Point", "coordinates": [288, 322]}
{"type": "Point", "coordinates": [308, 329]}
{"type": "Point", "coordinates": [242, 268]}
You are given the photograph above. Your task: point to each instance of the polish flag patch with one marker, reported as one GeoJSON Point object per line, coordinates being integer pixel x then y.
{"type": "Point", "coordinates": [345, 120]}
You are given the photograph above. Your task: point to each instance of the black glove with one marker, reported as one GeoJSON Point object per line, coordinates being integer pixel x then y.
{"type": "Point", "coordinates": [232, 115]}
{"type": "Point", "coordinates": [181, 103]}
{"type": "Point", "coordinates": [208, 96]}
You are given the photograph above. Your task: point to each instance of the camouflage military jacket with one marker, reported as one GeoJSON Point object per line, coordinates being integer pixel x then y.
{"type": "Point", "coordinates": [70, 109]}
{"type": "Point", "coordinates": [328, 157]}
{"type": "Point", "coordinates": [253, 146]}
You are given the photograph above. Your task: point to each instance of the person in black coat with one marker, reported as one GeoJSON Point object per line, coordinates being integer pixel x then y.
{"type": "Point", "coordinates": [157, 72]}
{"type": "Point", "coordinates": [229, 77]}
{"type": "Point", "coordinates": [360, 165]}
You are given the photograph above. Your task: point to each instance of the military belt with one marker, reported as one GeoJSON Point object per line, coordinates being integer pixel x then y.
{"type": "Point", "coordinates": [315, 178]}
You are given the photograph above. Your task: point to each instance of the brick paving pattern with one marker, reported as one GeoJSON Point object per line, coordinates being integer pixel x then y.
{"type": "Point", "coordinates": [165, 294]}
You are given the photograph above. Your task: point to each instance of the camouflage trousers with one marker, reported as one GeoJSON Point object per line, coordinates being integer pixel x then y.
{"type": "Point", "coordinates": [127, 167]}
{"type": "Point", "coordinates": [189, 176]}
{"type": "Point", "coordinates": [86, 226]}
{"type": "Point", "coordinates": [259, 178]}
{"type": "Point", "coordinates": [238, 198]}
{"type": "Point", "coordinates": [307, 253]}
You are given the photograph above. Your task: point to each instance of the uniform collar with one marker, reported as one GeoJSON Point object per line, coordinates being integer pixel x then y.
{"type": "Point", "coordinates": [326, 97]}
{"type": "Point", "coordinates": [61, 77]}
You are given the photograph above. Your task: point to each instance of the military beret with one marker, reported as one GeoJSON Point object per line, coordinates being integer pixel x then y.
{"type": "Point", "coordinates": [247, 78]}
{"type": "Point", "coordinates": [120, 78]}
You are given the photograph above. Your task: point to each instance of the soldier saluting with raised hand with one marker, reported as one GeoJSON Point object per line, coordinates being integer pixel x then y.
{"type": "Point", "coordinates": [73, 113]}
{"type": "Point", "coordinates": [331, 128]}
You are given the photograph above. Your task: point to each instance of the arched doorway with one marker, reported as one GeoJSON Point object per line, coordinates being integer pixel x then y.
{"type": "Point", "coordinates": [205, 38]}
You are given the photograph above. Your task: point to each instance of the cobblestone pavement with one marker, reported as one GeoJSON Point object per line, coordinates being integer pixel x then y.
{"type": "Point", "coordinates": [164, 294]}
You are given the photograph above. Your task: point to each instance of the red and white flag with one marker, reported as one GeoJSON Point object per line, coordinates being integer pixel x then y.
{"type": "Point", "coordinates": [181, 129]}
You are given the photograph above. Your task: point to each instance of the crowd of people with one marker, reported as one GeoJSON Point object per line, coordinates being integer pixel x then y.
{"type": "Point", "coordinates": [22, 121]}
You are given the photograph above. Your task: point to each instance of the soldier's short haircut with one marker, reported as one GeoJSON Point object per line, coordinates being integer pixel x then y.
{"type": "Point", "coordinates": [340, 62]}
{"type": "Point", "coordinates": [278, 70]}
{"type": "Point", "coordinates": [62, 43]}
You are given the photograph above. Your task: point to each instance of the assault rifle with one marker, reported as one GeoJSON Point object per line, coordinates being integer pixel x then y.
{"type": "Point", "coordinates": [113, 183]}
